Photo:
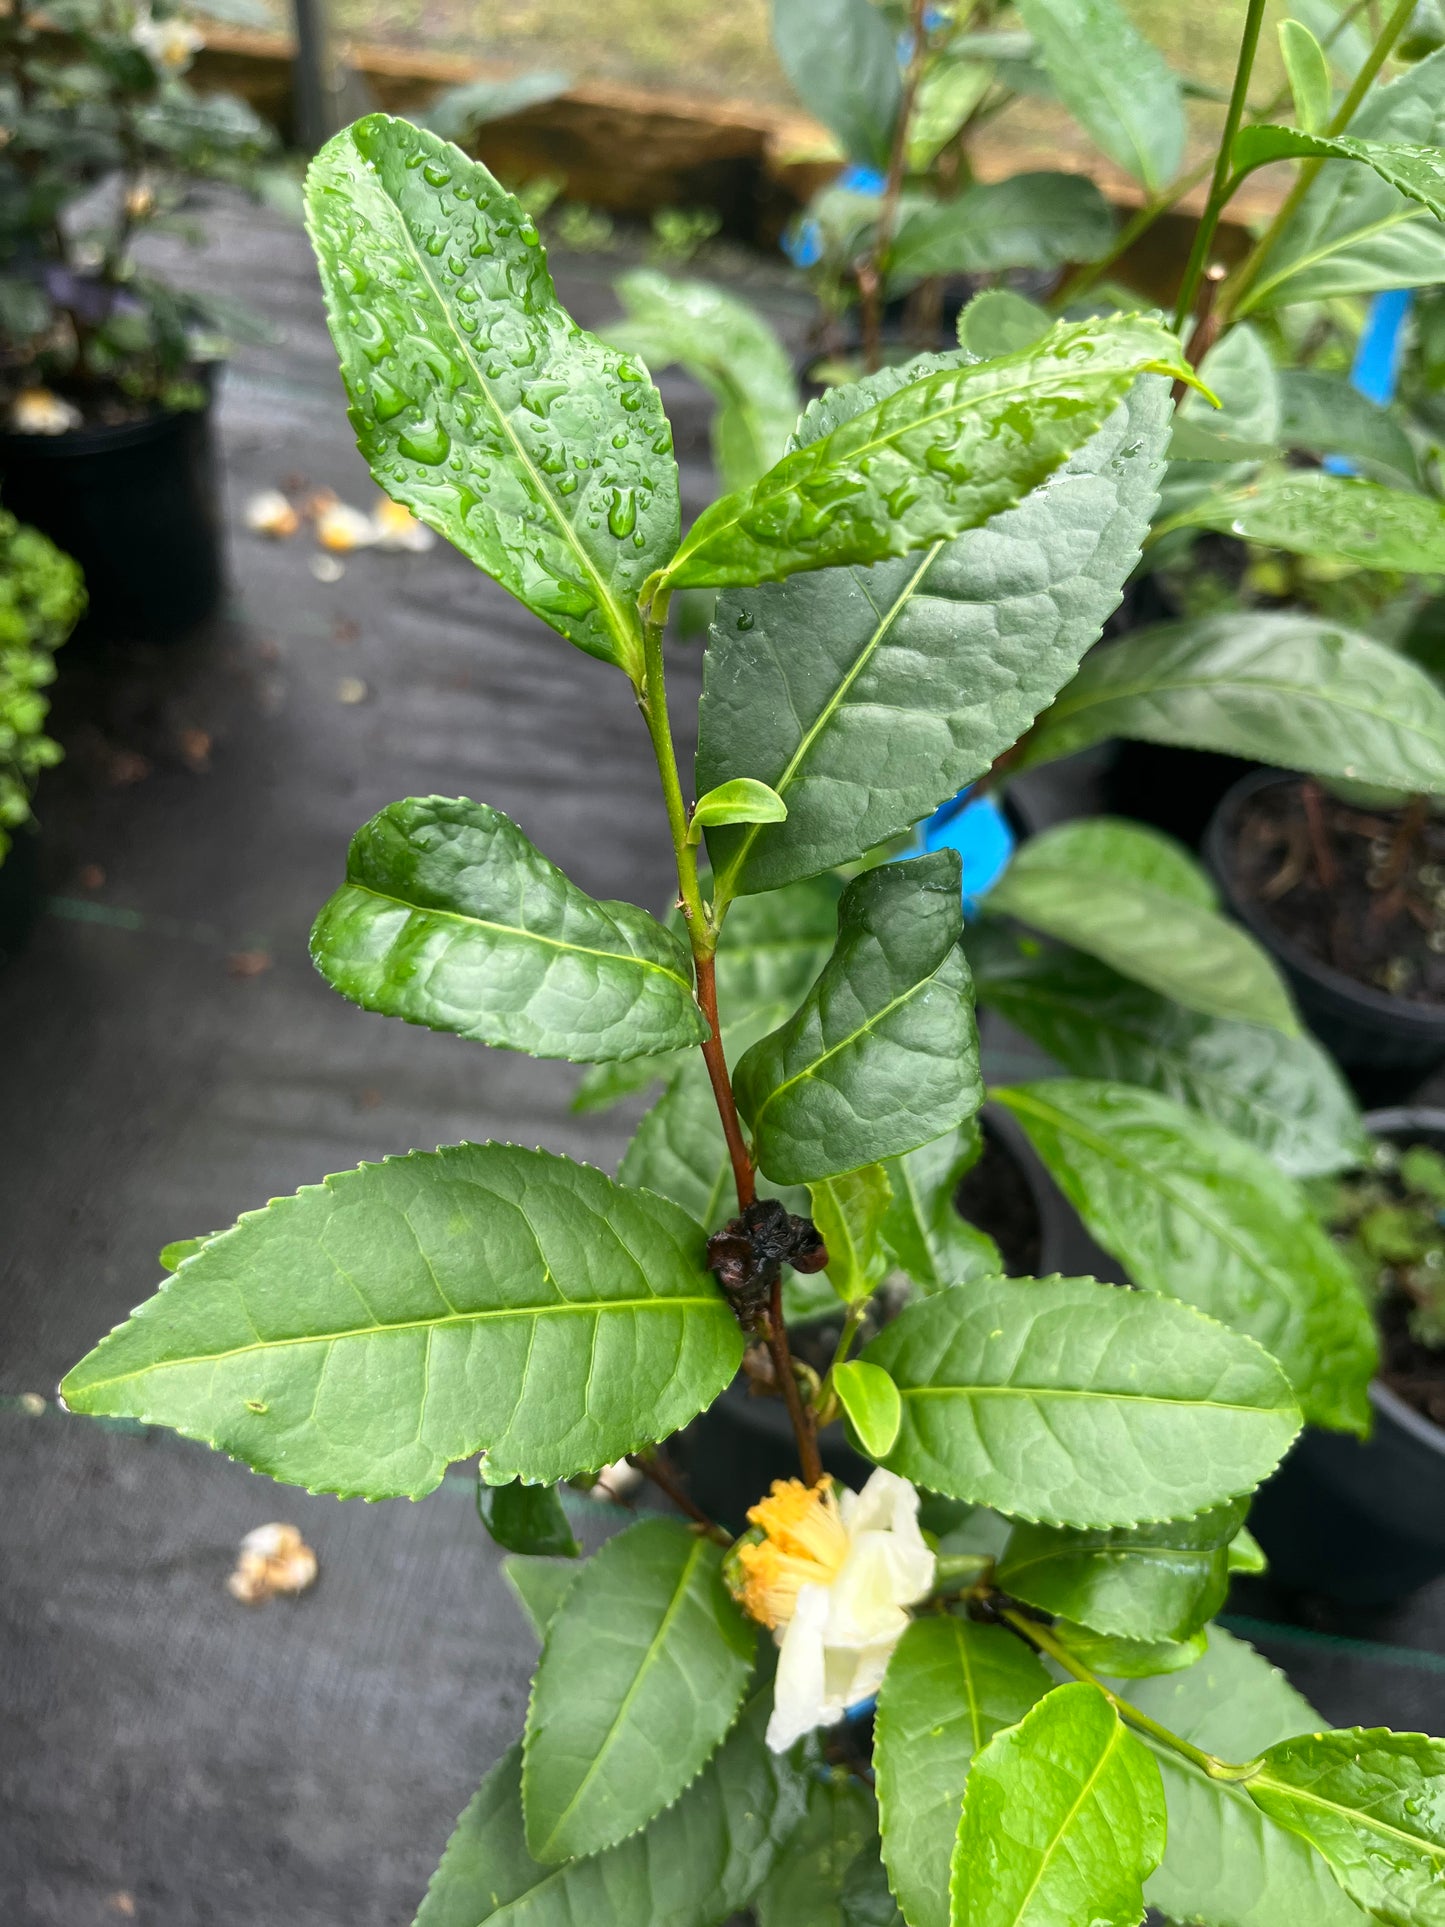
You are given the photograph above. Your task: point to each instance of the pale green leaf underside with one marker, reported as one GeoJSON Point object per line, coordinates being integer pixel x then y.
{"type": "Point", "coordinates": [1128, 896]}
{"type": "Point", "coordinates": [1196, 1214]}
{"type": "Point", "coordinates": [1344, 518]}
{"type": "Point", "coordinates": [1281, 1094]}
{"type": "Point", "coordinates": [1069, 1402]}
{"type": "Point", "coordinates": [882, 1054]}
{"type": "Point", "coordinates": [1373, 1803]}
{"type": "Point", "coordinates": [1225, 1864]}
{"type": "Point", "coordinates": [941, 455]}
{"type": "Point", "coordinates": [1291, 689]}
{"type": "Point", "coordinates": [1115, 84]}
{"type": "Point", "coordinates": [450, 918]}
{"type": "Point", "coordinates": [697, 1863]}
{"type": "Point", "coordinates": [477, 400]}
{"type": "Point", "coordinates": [362, 1334]}
{"type": "Point", "coordinates": [866, 697]}
{"type": "Point", "coordinates": [950, 1686]}
{"type": "Point", "coordinates": [641, 1675]}
{"type": "Point", "coordinates": [1063, 1820]}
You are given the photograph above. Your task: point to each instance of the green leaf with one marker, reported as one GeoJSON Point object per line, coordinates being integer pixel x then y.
{"type": "Point", "coordinates": [771, 949]}
{"type": "Point", "coordinates": [1151, 1582]}
{"type": "Point", "coordinates": [948, 91]}
{"type": "Point", "coordinates": [1354, 232]}
{"type": "Point", "coordinates": [866, 698]}
{"type": "Point", "coordinates": [1344, 518]}
{"type": "Point", "coordinates": [743, 800]}
{"type": "Point", "coordinates": [941, 455]}
{"type": "Point", "coordinates": [648, 1641]}
{"type": "Point", "coordinates": [882, 1055]}
{"type": "Point", "coordinates": [694, 1865]}
{"type": "Point", "coordinates": [1324, 415]}
{"type": "Point", "coordinates": [1309, 75]}
{"type": "Point", "coordinates": [856, 91]}
{"type": "Point", "coordinates": [526, 1518]}
{"type": "Point", "coordinates": [1129, 1658]}
{"type": "Point", "coordinates": [679, 1150]}
{"type": "Point", "coordinates": [1333, 24]}
{"type": "Point", "coordinates": [1138, 901]}
{"type": "Point", "coordinates": [1225, 1864]}
{"type": "Point", "coordinates": [1115, 84]}
{"type": "Point", "coordinates": [1196, 1214]}
{"type": "Point", "coordinates": [1038, 221]}
{"type": "Point", "coordinates": [458, 112]}
{"type": "Point", "coordinates": [478, 402]}
{"type": "Point", "coordinates": [1063, 1820]}
{"type": "Point", "coordinates": [1418, 172]}
{"type": "Point", "coordinates": [1290, 689]}
{"type": "Point", "coordinates": [809, 1884]}
{"type": "Point", "coordinates": [173, 1256]}
{"type": "Point", "coordinates": [1281, 1094]}
{"type": "Point", "coordinates": [999, 322]}
{"type": "Point", "coordinates": [929, 1241]}
{"type": "Point", "coordinates": [729, 348]}
{"type": "Point", "coordinates": [1241, 371]}
{"type": "Point", "coordinates": [1373, 1803]}
{"type": "Point", "coordinates": [849, 1210]}
{"type": "Point", "coordinates": [540, 1585]}
{"type": "Point", "coordinates": [950, 1686]}
{"type": "Point", "coordinates": [1246, 1554]}
{"type": "Point", "coordinates": [359, 1336]}
{"type": "Point", "coordinates": [1074, 1403]}
{"type": "Point", "coordinates": [871, 1401]}
{"type": "Point", "coordinates": [1192, 442]}
{"type": "Point", "coordinates": [450, 918]}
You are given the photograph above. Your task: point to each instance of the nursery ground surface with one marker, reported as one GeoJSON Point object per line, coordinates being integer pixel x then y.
{"type": "Point", "coordinates": [169, 1756]}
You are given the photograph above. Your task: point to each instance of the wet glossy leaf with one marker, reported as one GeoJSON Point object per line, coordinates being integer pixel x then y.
{"type": "Point", "coordinates": [648, 1646]}
{"type": "Point", "coordinates": [1148, 1582]}
{"type": "Point", "coordinates": [882, 1055]}
{"type": "Point", "coordinates": [1324, 415]}
{"type": "Point", "coordinates": [1354, 232]}
{"type": "Point", "coordinates": [1039, 221]}
{"type": "Point", "coordinates": [930, 1242]}
{"type": "Point", "coordinates": [1373, 1803]}
{"type": "Point", "coordinates": [849, 1210]}
{"type": "Point", "coordinates": [743, 800]}
{"type": "Point", "coordinates": [1344, 518]}
{"type": "Point", "coordinates": [450, 918]}
{"type": "Point", "coordinates": [1074, 1403]}
{"type": "Point", "coordinates": [1225, 1864]}
{"type": "Point", "coordinates": [856, 90]}
{"type": "Point", "coordinates": [1139, 902]}
{"type": "Point", "coordinates": [1063, 1820]}
{"type": "Point", "coordinates": [950, 1686]}
{"type": "Point", "coordinates": [810, 1884]}
{"type": "Point", "coordinates": [729, 348]}
{"type": "Point", "coordinates": [1281, 1094]}
{"type": "Point", "coordinates": [359, 1336]}
{"type": "Point", "coordinates": [694, 1865]}
{"type": "Point", "coordinates": [871, 1401]}
{"type": "Point", "coordinates": [867, 697]}
{"type": "Point", "coordinates": [527, 1519]}
{"type": "Point", "coordinates": [1107, 1653]}
{"type": "Point", "coordinates": [1418, 172]}
{"type": "Point", "coordinates": [478, 402]}
{"type": "Point", "coordinates": [1115, 84]}
{"type": "Point", "coordinates": [1196, 1214]}
{"type": "Point", "coordinates": [1291, 689]}
{"type": "Point", "coordinates": [941, 455]}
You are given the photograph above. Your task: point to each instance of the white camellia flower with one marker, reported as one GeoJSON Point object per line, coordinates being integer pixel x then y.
{"type": "Point", "coordinates": [172, 44]}
{"type": "Point", "coordinates": [833, 1575]}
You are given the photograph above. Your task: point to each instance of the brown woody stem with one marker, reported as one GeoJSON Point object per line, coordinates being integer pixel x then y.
{"type": "Point", "coordinates": [662, 1476]}
{"type": "Point", "coordinates": [803, 1428]}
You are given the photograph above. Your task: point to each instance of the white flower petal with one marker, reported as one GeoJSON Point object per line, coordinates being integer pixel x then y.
{"type": "Point", "coordinates": [799, 1689]}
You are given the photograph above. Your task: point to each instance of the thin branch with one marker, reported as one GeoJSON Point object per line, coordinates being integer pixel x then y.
{"type": "Point", "coordinates": [1220, 186]}
{"type": "Point", "coordinates": [651, 1467]}
{"type": "Point", "coordinates": [717, 1069]}
{"type": "Point", "coordinates": [803, 1425]}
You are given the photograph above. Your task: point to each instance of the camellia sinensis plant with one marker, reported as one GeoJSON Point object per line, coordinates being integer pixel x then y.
{"type": "Point", "coordinates": [1063, 1466]}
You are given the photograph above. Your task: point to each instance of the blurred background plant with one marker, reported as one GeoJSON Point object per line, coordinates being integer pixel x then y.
{"type": "Point", "coordinates": [104, 140]}
{"type": "Point", "coordinates": [41, 600]}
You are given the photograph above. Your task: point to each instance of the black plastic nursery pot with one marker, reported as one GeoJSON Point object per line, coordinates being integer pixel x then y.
{"type": "Point", "coordinates": [137, 505]}
{"type": "Point", "coordinates": [735, 1450]}
{"type": "Point", "coordinates": [1363, 1523]}
{"type": "Point", "coordinates": [1387, 1046]}
{"type": "Point", "coordinates": [1174, 790]}
{"type": "Point", "coordinates": [21, 892]}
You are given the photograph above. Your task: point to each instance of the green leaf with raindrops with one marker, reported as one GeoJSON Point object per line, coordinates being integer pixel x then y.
{"type": "Point", "coordinates": [479, 403]}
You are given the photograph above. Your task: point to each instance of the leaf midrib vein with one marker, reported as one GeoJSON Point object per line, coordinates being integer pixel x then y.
{"type": "Point", "coordinates": [1356, 1815]}
{"type": "Point", "coordinates": [1046, 1859]}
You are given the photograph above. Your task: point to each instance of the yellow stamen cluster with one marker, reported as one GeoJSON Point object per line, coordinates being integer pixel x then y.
{"type": "Point", "coordinates": [805, 1543]}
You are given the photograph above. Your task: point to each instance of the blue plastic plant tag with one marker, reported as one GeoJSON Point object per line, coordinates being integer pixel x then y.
{"type": "Point", "coordinates": [977, 828]}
